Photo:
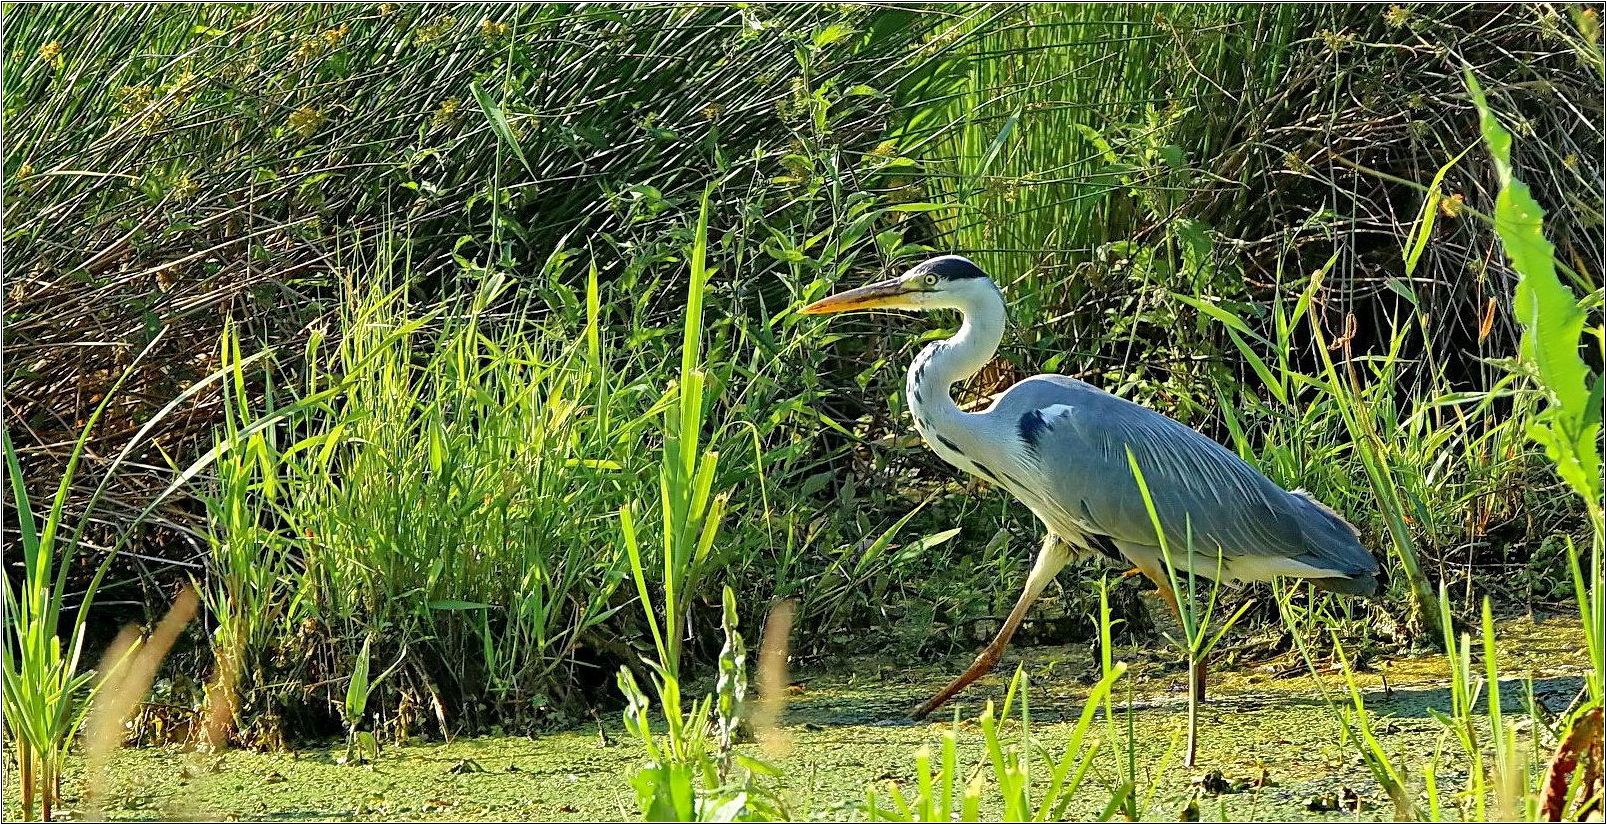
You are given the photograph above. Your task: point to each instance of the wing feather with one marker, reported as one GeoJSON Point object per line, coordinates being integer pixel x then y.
{"type": "Point", "coordinates": [1078, 437]}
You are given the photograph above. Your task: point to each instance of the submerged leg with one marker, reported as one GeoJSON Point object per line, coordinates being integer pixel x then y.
{"type": "Point", "coordinates": [1051, 558]}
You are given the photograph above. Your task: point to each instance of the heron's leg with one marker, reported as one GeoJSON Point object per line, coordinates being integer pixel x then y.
{"type": "Point", "coordinates": [1156, 573]}
{"type": "Point", "coordinates": [1051, 558]}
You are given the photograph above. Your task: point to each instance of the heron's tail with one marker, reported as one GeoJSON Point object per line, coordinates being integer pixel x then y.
{"type": "Point", "coordinates": [1361, 584]}
{"type": "Point", "coordinates": [1334, 544]}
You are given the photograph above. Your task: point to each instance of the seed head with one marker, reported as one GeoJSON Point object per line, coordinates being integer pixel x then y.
{"type": "Point", "coordinates": [1336, 41]}
{"type": "Point", "coordinates": [445, 114]}
{"type": "Point", "coordinates": [183, 189]}
{"type": "Point", "coordinates": [304, 121]}
{"type": "Point", "coordinates": [429, 33]}
{"type": "Point", "coordinates": [492, 31]}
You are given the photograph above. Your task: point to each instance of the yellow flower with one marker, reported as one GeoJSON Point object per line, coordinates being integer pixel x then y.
{"type": "Point", "coordinates": [50, 51]}
{"type": "Point", "coordinates": [320, 44]}
{"type": "Point", "coordinates": [387, 9]}
{"type": "Point", "coordinates": [445, 114]}
{"type": "Point", "coordinates": [1336, 41]}
{"type": "Point", "coordinates": [305, 121]}
{"type": "Point", "coordinates": [183, 189]}
{"type": "Point", "coordinates": [1452, 206]}
{"type": "Point", "coordinates": [1397, 16]}
{"type": "Point", "coordinates": [491, 31]}
{"type": "Point", "coordinates": [428, 33]}
{"type": "Point", "coordinates": [308, 51]}
{"type": "Point", "coordinates": [183, 87]}
{"type": "Point", "coordinates": [24, 171]}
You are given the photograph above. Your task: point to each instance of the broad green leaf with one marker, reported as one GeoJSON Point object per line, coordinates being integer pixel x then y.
{"type": "Point", "coordinates": [1228, 318]}
{"type": "Point", "coordinates": [499, 124]}
{"type": "Point", "coordinates": [1552, 318]}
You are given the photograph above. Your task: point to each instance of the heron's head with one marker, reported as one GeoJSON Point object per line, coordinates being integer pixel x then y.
{"type": "Point", "coordinates": [949, 282]}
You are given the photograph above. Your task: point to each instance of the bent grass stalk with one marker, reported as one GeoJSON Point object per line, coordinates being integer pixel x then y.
{"type": "Point", "coordinates": [1361, 421]}
{"type": "Point", "coordinates": [1198, 640]}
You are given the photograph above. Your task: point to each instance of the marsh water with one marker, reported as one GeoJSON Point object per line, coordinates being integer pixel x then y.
{"type": "Point", "coordinates": [1270, 745]}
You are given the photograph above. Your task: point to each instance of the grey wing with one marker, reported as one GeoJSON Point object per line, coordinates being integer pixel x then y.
{"type": "Point", "coordinates": [1079, 437]}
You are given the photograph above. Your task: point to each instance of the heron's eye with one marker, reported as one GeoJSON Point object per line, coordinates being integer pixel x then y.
{"type": "Point", "coordinates": [930, 279]}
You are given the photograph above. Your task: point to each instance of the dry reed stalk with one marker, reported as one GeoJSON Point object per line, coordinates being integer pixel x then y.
{"type": "Point", "coordinates": [773, 740]}
{"type": "Point", "coordinates": [130, 665]}
{"type": "Point", "coordinates": [222, 696]}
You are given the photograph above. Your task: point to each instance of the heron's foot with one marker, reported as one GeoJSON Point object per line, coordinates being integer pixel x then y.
{"type": "Point", "coordinates": [984, 663]}
{"type": "Point", "coordinates": [1136, 571]}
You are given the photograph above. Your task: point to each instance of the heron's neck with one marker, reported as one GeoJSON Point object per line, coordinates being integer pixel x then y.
{"type": "Point", "coordinates": [942, 364]}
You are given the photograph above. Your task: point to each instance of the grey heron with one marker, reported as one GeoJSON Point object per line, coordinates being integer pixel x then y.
{"type": "Point", "coordinates": [1061, 446]}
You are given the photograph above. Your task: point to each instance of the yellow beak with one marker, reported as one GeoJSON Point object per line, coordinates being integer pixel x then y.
{"type": "Point", "coordinates": [880, 295]}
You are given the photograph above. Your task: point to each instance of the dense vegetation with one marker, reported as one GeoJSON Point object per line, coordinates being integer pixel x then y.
{"type": "Point", "coordinates": [435, 343]}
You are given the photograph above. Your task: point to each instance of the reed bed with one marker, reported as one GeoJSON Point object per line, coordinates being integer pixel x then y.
{"type": "Point", "coordinates": [449, 354]}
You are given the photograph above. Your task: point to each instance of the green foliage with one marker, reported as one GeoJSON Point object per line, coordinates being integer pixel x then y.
{"type": "Point", "coordinates": [360, 744]}
{"type": "Point", "coordinates": [1502, 785]}
{"type": "Point", "coordinates": [46, 695]}
{"type": "Point", "coordinates": [1553, 320]}
{"type": "Point", "coordinates": [588, 319]}
{"type": "Point", "coordinates": [1009, 767]}
{"type": "Point", "coordinates": [45, 701]}
{"type": "Point", "coordinates": [429, 494]}
{"type": "Point", "coordinates": [690, 509]}
{"type": "Point", "coordinates": [179, 168]}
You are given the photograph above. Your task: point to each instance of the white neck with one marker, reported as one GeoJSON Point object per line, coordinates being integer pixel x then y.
{"type": "Point", "coordinates": [942, 364]}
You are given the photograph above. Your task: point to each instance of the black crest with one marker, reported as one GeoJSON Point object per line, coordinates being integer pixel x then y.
{"type": "Point", "coordinates": [952, 268]}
